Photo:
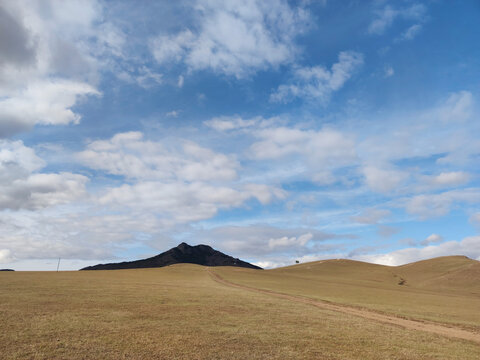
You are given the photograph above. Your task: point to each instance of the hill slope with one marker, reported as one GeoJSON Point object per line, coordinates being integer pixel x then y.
{"type": "Point", "coordinates": [183, 253]}
{"type": "Point", "coordinates": [448, 273]}
{"type": "Point", "coordinates": [445, 289]}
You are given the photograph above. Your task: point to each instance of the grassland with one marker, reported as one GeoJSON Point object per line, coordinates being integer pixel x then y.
{"type": "Point", "coordinates": [444, 290]}
{"type": "Point", "coordinates": [180, 312]}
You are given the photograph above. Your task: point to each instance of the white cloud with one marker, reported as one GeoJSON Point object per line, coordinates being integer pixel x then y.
{"type": "Point", "coordinates": [469, 246]}
{"type": "Point", "coordinates": [285, 241]}
{"type": "Point", "coordinates": [235, 37]}
{"type": "Point", "coordinates": [259, 241]}
{"type": "Point", "coordinates": [148, 78]}
{"type": "Point", "coordinates": [179, 202]}
{"type": "Point", "coordinates": [226, 123]}
{"type": "Point", "coordinates": [386, 17]}
{"type": "Point", "coordinates": [453, 178]}
{"type": "Point", "coordinates": [180, 81]}
{"type": "Point", "coordinates": [388, 72]}
{"type": "Point", "coordinates": [426, 133]}
{"type": "Point", "coordinates": [173, 113]}
{"type": "Point", "coordinates": [321, 151]}
{"type": "Point", "coordinates": [384, 180]}
{"type": "Point", "coordinates": [387, 231]}
{"type": "Point", "coordinates": [47, 103]}
{"type": "Point", "coordinates": [431, 205]}
{"type": "Point", "coordinates": [325, 145]}
{"type": "Point", "coordinates": [475, 218]}
{"type": "Point", "coordinates": [317, 82]}
{"type": "Point", "coordinates": [5, 256]}
{"type": "Point", "coordinates": [50, 56]}
{"type": "Point", "coordinates": [21, 187]}
{"type": "Point", "coordinates": [411, 32]}
{"type": "Point", "coordinates": [432, 239]}
{"type": "Point", "coordinates": [172, 48]}
{"type": "Point", "coordinates": [180, 183]}
{"type": "Point", "coordinates": [371, 216]}
{"type": "Point", "coordinates": [128, 154]}
{"type": "Point", "coordinates": [457, 108]}
{"type": "Point", "coordinates": [68, 232]}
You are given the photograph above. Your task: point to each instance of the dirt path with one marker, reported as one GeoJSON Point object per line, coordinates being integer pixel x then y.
{"type": "Point", "coordinates": [438, 329]}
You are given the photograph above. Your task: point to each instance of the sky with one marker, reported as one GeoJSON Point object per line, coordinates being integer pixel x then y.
{"type": "Point", "coordinates": [275, 131]}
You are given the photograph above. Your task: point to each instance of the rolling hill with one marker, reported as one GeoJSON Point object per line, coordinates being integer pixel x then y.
{"type": "Point", "coordinates": [445, 289]}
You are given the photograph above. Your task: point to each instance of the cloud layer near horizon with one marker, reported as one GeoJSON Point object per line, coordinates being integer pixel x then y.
{"type": "Point", "coordinates": [238, 124]}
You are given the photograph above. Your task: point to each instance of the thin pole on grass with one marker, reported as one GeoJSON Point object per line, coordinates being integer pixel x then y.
{"type": "Point", "coordinates": [58, 265]}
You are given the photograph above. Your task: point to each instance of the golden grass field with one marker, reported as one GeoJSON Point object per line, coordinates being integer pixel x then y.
{"type": "Point", "coordinates": [184, 312]}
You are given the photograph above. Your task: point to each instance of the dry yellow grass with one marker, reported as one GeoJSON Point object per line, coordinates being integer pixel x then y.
{"type": "Point", "coordinates": [445, 290]}
{"type": "Point", "coordinates": [179, 312]}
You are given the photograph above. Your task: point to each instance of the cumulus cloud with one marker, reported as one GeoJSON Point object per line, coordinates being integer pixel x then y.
{"type": "Point", "coordinates": [69, 233]}
{"type": "Point", "coordinates": [50, 57]}
{"type": "Point", "coordinates": [469, 246]}
{"type": "Point", "coordinates": [383, 180]}
{"type": "Point", "coordinates": [317, 82]}
{"type": "Point", "coordinates": [286, 241]}
{"type": "Point", "coordinates": [48, 102]}
{"type": "Point", "coordinates": [325, 146]}
{"type": "Point", "coordinates": [16, 45]}
{"type": "Point", "coordinates": [289, 151]}
{"type": "Point", "coordinates": [180, 202]}
{"type": "Point", "coordinates": [22, 187]}
{"type": "Point", "coordinates": [130, 155]}
{"type": "Point", "coordinates": [432, 239]}
{"type": "Point", "coordinates": [384, 18]}
{"type": "Point", "coordinates": [5, 254]}
{"type": "Point", "coordinates": [234, 38]}
{"type": "Point", "coordinates": [431, 205]}
{"type": "Point", "coordinates": [323, 150]}
{"type": "Point", "coordinates": [180, 183]}
{"type": "Point", "coordinates": [446, 179]}
{"type": "Point", "coordinates": [264, 241]}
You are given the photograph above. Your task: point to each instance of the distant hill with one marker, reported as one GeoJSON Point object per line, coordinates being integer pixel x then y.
{"type": "Point", "coordinates": [448, 273]}
{"type": "Point", "coordinates": [7, 270]}
{"type": "Point", "coordinates": [457, 273]}
{"type": "Point", "coordinates": [183, 253]}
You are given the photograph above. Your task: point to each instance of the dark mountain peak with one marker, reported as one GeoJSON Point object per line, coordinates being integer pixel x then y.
{"type": "Point", "coordinates": [183, 246]}
{"type": "Point", "coordinates": [182, 253]}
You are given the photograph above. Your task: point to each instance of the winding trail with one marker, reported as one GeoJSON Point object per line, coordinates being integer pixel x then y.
{"type": "Point", "coordinates": [443, 330]}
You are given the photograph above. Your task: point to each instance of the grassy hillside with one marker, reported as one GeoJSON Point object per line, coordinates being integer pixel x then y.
{"type": "Point", "coordinates": [449, 274]}
{"type": "Point", "coordinates": [179, 312]}
{"type": "Point", "coordinates": [445, 290]}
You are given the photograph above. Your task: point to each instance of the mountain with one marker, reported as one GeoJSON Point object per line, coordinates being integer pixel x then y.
{"type": "Point", "coordinates": [183, 253]}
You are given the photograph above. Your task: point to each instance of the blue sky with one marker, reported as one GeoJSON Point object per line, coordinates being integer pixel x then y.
{"type": "Point", "coordinates": [273, 131]}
